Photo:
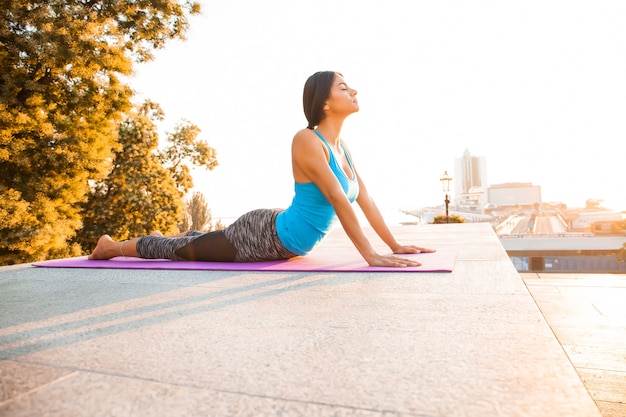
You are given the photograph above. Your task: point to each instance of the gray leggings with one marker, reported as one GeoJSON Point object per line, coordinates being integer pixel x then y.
{"type": "Point", "coordinates": [251, 238]}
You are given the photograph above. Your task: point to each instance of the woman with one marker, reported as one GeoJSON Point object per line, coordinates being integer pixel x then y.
{"type": "Point", "coordinates": [326, 183]}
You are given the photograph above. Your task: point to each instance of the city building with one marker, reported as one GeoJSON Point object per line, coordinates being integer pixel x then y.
{"type": "Point", "coordinates": [538, 236]}
{"type": "Point", "coordinates": [470, 181]}
{"type": "Point", "coordinates": [514, 194]}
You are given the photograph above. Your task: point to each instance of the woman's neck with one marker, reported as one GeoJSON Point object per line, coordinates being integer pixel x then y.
{"type": "Point", "coordinates": [331, 130]}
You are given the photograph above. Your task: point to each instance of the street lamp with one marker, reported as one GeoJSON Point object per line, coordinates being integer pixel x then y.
{"type": "Point", "coordinates": [445, 186]}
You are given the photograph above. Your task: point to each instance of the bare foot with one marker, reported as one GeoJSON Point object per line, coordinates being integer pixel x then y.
{"type": "Point", "coordinates": [156, 233]}
{"type": "Point", "coordinates": [106, 248]}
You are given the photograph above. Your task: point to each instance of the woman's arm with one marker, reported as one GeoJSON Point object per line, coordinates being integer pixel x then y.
{"type": "Point", "coordinates": [310, 163]}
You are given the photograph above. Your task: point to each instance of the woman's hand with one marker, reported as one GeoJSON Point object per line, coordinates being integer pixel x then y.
{"type": "Point", "coordinates": [411, 249]}
{"type": "Point", "coordinates": [391, 260]}
{"type": "Point", "coordinates": [398, 261]}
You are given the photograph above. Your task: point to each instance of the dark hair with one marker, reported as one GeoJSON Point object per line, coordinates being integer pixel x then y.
{"type": "Point", "coordinates": [316, 92]}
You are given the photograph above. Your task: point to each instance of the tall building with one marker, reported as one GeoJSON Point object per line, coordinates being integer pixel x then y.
{"type": "Point", "coordinates": [470, 181]}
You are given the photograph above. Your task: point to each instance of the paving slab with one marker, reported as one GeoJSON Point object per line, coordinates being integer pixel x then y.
{"type": "Point", "coordinates": [194, 343]}
{"type": "Point", "coordinates": [587, 314]}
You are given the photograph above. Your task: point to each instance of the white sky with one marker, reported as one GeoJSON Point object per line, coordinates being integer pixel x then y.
{"type": "Point", "coordinates": [536, 87]}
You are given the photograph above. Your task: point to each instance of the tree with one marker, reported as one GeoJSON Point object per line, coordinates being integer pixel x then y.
{"type": "Point", "coordinates": [184, 147]}
{"type": "Point", "coordinates": [60, 101]}
{"type": "Point", "coordinates": [454, 218]}
{"type": "Point", "coordinates": [140, 194]}
{"type": "Point", "coordinates": [198, 216]}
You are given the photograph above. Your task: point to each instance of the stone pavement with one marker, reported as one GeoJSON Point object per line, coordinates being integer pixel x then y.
{"type": "Point", "coordinates": [195, 343]}
{"type": "Point", "coordinates": [587, 313]}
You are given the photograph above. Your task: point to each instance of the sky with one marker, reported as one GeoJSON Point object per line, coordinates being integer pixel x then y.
{"type": "Point", "coordinates": [538, 88]}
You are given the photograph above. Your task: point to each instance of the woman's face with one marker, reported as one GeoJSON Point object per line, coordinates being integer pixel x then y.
{"type": "Point", "coordinates": [342, 99]}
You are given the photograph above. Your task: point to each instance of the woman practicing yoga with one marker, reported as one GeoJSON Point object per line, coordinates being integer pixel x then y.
{"type": "Point", "coordinates": [326, 183]}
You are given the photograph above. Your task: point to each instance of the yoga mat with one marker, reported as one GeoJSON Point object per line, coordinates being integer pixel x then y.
{"type": "Point", "coordinates": [328, 261]}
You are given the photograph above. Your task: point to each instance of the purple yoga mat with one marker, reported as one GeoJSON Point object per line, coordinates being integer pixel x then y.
{"type": "Point", "coordinates": [335, 261]}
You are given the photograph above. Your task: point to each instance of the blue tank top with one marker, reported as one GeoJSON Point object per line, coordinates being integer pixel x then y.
{"type": "Point", "coordinates": [310, 216]}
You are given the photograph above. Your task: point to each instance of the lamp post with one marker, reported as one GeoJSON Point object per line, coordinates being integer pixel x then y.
{"type": "Point", "coordinates": [445, 186]}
